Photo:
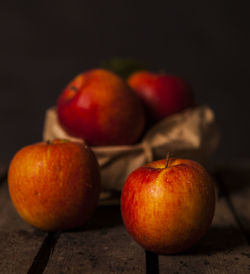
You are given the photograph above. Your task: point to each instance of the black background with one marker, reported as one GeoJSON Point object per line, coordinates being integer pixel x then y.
{"type": "Point", "coordinates": [45, 43]}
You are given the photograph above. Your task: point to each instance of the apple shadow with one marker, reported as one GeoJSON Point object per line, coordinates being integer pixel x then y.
{"type": "Point", "coordinates": [105, 216]}
{"type": "Point", "coordinates": [3, 173]}
{"type": "Point", "coordinates": [218, 239]}
{"type": "Point", "coordinates": [232, 180]}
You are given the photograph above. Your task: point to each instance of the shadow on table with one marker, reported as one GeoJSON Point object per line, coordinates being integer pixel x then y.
{"type": "Point", "coordinates": [105, 217]}
{"type": "Point", "coordinates": [233, 180]}
{"type": "Point", "coordinates": [218, 239]}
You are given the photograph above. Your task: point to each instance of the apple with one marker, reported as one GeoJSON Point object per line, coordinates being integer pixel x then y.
{"type": "Point", "coordinates": [99, 107]}
{"type": "Point", "coordinates": [168, 205]}
{"type": "Point", "coordinates": [162, 94]}
{"type": "Point", "coordinates": [54, 186]}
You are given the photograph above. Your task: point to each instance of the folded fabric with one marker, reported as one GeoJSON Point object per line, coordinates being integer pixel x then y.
{"type": "Point", "coordinates": [192, 134]}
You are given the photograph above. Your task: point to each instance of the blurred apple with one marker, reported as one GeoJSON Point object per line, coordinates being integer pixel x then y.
{"type": "Point", "coordinates": [54, 186]}
{"type": "Point", "coordinates": [167, 206]}
{"type": "Point", "coordinates": [162, 94]}
{"type": "Point", "coordinates": [99, 107]}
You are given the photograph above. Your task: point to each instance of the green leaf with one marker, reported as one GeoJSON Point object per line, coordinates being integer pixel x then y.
{"type": "Point", "coordinates": [123, 66]}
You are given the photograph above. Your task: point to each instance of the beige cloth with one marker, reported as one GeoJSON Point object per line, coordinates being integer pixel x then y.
{"type": "Point", "coordinates": [192, 134]}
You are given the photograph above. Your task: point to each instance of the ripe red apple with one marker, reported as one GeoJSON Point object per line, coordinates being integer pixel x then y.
{"type": "Point", "coordinates": [54, 186]}
{"type": "Point", "coordinates": [162, 94]}
{"type": "Point", "coordinates": [99, 107]}
{"type": "Point", "coordinates": [168, 207]}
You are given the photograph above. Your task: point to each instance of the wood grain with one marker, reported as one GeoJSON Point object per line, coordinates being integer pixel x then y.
{"type": "Point", "coordinates": [235, 182]}
{"type": "Point", "coordinates": [102, 247]}
{"type": "Point", "coordinates": [19, 241]}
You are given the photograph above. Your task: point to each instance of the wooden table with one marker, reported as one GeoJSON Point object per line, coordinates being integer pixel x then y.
{"type": "Point", "coordinates": [105, 247]}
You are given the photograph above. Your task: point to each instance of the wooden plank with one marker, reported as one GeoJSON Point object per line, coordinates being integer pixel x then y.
{"type": "Point", "coordinates": [19, 241]}
{"type": "Point", "coordinates": [102, 247]}
{"type": "Point", "coordinates": [223, 249]}
{"type": "Point", "coordinates": [235, 182]}
{"type": "Point", "coordinates": [105, 247]}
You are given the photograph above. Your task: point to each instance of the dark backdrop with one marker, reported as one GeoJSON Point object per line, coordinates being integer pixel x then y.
{"type": "Point", "coordinates": [45, 43]}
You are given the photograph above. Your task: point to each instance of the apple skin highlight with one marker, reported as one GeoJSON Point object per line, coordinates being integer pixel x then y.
{"type": "Point", "coordinates": [99, 107]}
{"type": "Point", "coordinates": [54, 186]}
{"type": "Point", "coordinates": [167, 210]}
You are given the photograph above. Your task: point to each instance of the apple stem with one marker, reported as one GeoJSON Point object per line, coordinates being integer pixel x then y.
{"type": "Point", "coordinates": [48, 142]}
{"type": "Point", "coordinates": [167, 159]}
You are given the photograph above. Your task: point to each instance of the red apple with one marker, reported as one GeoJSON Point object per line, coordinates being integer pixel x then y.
{"type": "Point", "coordinates": [54, 186]}
{"type": "Point", "coordinates": [167, 208]}
{"type": "Point", "coordinates": [162, 94]}
{"type": "Point", "coordinates": [99, 107]}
